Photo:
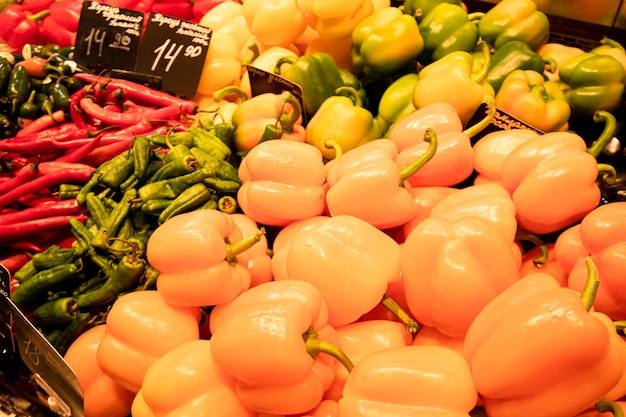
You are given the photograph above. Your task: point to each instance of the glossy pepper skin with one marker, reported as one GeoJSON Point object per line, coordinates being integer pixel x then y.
{"type": "Point", "coordinates": [366, 182]}
{"type": "Point", "coordinates": [420, 8]}
{"type": "Point", "coordinates": [201, 258]}
{"type": "Point", "coordinates": [542, 104]}
{"type": "Point", "coordinates": [317, 74]}
{"type": "Point", "coordinates": [186, 381]}
{"type": "Point", "coordinates": [409, 381]}
{"type": "Point", "coordinates": [447, 28]}
{"type": "Point", "coordinates": [541, 174]}
{"type": "Point", "coordinates": [511, 56]}
{"type": "Point", "coordinates": [262, 339]}
{"type": "Point", "coordinates": [335, 21]}
{"type": "Point", "coordinates": [141, 327]}
{"type": "Point", "coordinates": [262, 16]}
{"type": "Point", "coordinates": [60, 26]}
{"type": "Point", "coordinates": [514, 20]}
{"type": "Point", "coordinates": [601, 237]}
{"type": "Point", "coordinates": [596, 82]}
{"type": "Point", "coordinates": [385, 42]}
{"type": "Point", "coordinates": [282, 182]}
{"type": "Point", "coordinates": [536, 349]}
{"type": "Point", "coordinates": [396, 101]}
{"type": "Point", "coordinates": [342, 119]}
{"type": "Point", "coordinates": [19, 27]}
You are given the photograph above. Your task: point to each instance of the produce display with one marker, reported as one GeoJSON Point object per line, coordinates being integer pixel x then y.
{"type": "Point", "coordinates": [368, 208]}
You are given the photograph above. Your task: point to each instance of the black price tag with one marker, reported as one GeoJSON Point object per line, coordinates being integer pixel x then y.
{"type": "Point", "coordinates": [262, 82]}
{"type": "Point", "coordinates": [108, 35]}
{"type": "Point", "coordinates": [501, 121]}
{"type": "Point", "coordinates": [49, 368]}
{"type": "Point", "coordinates": [175, 50]}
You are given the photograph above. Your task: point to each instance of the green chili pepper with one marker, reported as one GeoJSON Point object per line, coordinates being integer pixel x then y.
{"type": "Point", "coordinates": [59, 311]}
{"type": "Point", "coordinates": [25, 272]}
{"type": "Point", "coordinates": [104, 263]}
{"type": "Point", "coordinates": [29, 109]}
{"type": "Point", "coordinates": [5, 73]}
{"type": "Point", "coordinates": [174, 138]}
{"type": "Point", "coordinates": [124, 276]}
{"type": "Point", "coordinates": [97, 210]}
{"type": "Point", "coordinates": [222, 186]}
{"type": "Point", "coordinates": [18, 87]}
{"type": "Point", "coordinates": [68, 191]}
{"type": "Point", "coordinates": [81, 233]}
{"type": "Point", "coordinates": [115, 220]}
{"type": "Point", "coordinates": [120, 241]}
{"type": "Point", "coordinates": [172, 187]}
{"type": "Point", "coordinates": [49, 259]}
{"type": "Point", "coordinates": [44, 103]}
{"type": "Point", "coordinates": [131, 182]}
{"type": "Point", "coordinates": [224, 131]}
{"type": "Point", "coordinates": [71, 332]}
{"type": "Point", "coordinates": [210, 205]}
{"type": "Point", "coordinates": [59, 95]}
{"type": "Point", "coordinates": [210, 143]}
{"type": "Point", "coordinates": [223, 169]}
{"type": "Point", "coordinates": [227, 204]}
{"type": "Point", "coordinates": [155, 206]}
{"type": "Point", "coordinates": [91, 284]}
{"type": "Point", "coordinates": [141, 156]}
{"type": "Point", "coordinates": [148, 281]}
{"type": "Point", "coordinates": [190, 198]}
{"type": "Point", "coordinates": [115, 176]}
{"type": "Point", "coordinates": [176, 167]}
{"type": "Point", "coordinates": [32, 291]}
{"type": "Point", "coordinates": [73, 84]}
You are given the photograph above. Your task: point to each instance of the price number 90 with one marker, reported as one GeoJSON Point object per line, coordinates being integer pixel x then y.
{"type": "Point", "coordinates": [169, 51]}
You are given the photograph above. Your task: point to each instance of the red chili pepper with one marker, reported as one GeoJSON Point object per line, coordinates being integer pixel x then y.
{"type": "Point", "coordinates": [24, 229]}
{"type": "Point", "coordinates": [26, 246]}
{"type": "Point", "coordinates": [22, 176]}
{"type": "Point", "coordinates": [14, 262]}
{"type": "Point", "coordinates": [35, 66]}
{"type": "Point", "coordinates": [43, 122]}
{"type": "Point", "coordinates": [47, 209]}
{"type": "Point", "coordinates": [61, 25]}
{"type": "Point", "coordinates": [104, 153]}
{"type": "Point", "coordinates": [19, 27]}
{"type": "Point", "coordinates": [97, 112]}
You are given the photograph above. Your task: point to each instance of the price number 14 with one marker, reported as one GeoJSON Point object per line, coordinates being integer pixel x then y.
{"type": "Point", "coordinates": [169, 51]}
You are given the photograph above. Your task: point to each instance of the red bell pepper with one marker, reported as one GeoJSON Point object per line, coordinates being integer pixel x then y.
{"type": "Point", "coordinates": [410, 381]}
{"type": "Point", "coordinates": [367, 183]}
{"type": "Point", "coordinates": [187, 381]}
{"type": "Point", "coordinates": [535, 349]}
{"type": "Point", "coordinates": [60, 26]}
{"type": "Point", "coordinates": [267, 339]}
{"type": "Point", "coordinates": [452, 268]}
{"type": "Point", "coordinates": [349, 260]}
{"type": "Point", "coordinates": [180, 9]}
{"type": "Point", "coordinates": [201, 7]}
{"type": "Point", "coordinates": [282, 181]}
{"type": "Point", "coordinates": [19, 26]}
{"type": "Point", "coordinates": [201, 258]}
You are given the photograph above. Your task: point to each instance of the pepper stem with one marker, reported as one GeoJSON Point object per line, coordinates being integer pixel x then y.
{"type": "Point", "coordinates": [391, 305]}
{"type": "Point", "coordinates": [220, 94]}
{"type": "Point", "coordinates": [431, 137]}
{"type": "Point", "coordinates": [351, 93]}
{"type": "Point", "coordinates": [605, 406]}
{"type": "Point", "coordinates": [287, 59]}
{"type": "Point", "coordinates": [610, 125]}
{"type": "Point", "coordinates": [38, 16]}
{"type": "Point", "coordinates": [620, 326]}
{"type": "Point", "coordinates": [613, 43]}
{"type": "Point", "coordinates": [288, 119]}
{"type": "Point", "coordinates": [315, 346]}
{"type": "Point", "coordinates": [234, 249]}
{"type": "Point", "coordinates": [480, 75]}
{"type": "Point", "coordinates": [490, 113]}
{"type": "Point", "coordinates": [527, 236]}
{"type": "Point", "coordinates": [588, 294]}
{"type": "Point", "coordinates": [333, 144]}
{"type": "Point", "coordinates": [607, 173]}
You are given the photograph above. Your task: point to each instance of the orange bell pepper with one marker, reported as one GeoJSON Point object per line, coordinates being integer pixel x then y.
{"type": "Point", "coordinates": [282, 181]}
{"type": "Point", "coordinates": [367, 183]}
{"type": "Point", "coordinates": [187, 382]}
{"type": "Point", "coordinates": [348, 259]}
{"type": "Point", "coordinates": [569, 247]}
{"type": "Point", "coordinates": [552, 178]}
{"type": "Point", "coordinates": [222, 66]}
{"type": "Point", "coordinates": [267, 340]}
{"type": "Point", "coordinates": [490, 151]}
{"type": "Point", "coordinates": [453, 161]}
{"type": "Point", "coordinates": [259, 261]}
{"type": "Point", "coordinates": [429, 336]}
{"type": "Point", "coordinates": [410, 381]}
{"type": "Point", "coordinates": [536, 350]}
{"type": "Point", "coordinates": [549, 266]}
{"type": "Point", "coordinates": [359, 339]}
{"type": "Point", "coordinates": [606, 408]}
{"type": "Point", "coordinates": [452, 268]}
{"type": "Point", "coordinates": [602, 237]}
{"type": "Point", "coordinates": [141, 327]}
{"type": "Point", "coordinates": [95, 384]}
{"type": "Point", "coordinates": [201, 258]}
{"type": "Point", "coordinates": [425, 198]}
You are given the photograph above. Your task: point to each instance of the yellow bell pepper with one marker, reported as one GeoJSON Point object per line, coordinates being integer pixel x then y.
{"type": "Point", "coordinates": [227, 17]}
{"type": "Point", "coordinates": [263, 15]}
{"type": "Point", "coordinates": [451, 80]}
{"type": "Point", "coordinates": [525, 95]}
{"type": "Point", "coordinates": [557, 52]}
{"type": "Point", "coordinates": [221, 66]}
{"type": "Point", "coordinates": [333, 19]}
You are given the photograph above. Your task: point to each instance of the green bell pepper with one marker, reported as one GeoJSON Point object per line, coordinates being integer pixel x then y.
{"type": "Point", "coordinates": [511, 56]}
{"type": "Point", "coordinates": [420, 8]}
{"type": "Point", "coordinates": [397, 101]}
{"type": "Point", "coordinates": [447, 28]}
{"type": "Point", "coordinates": [595, 82]}
{"type": "Point", "coordinates": [351, 80]}
{"type": "Point", "coordinates": [514, 20]}
{"type": "Point", "coordinates": [342, 121]}
{"type": "Point", "coordinates": [385, 42]}
{"type": "Point", "coordinates": [317, 74]}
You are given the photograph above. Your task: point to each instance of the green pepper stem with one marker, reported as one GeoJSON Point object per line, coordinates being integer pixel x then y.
{"type": "Point", "coordinates": [550, 64]}
{"type": "Point", "coordinates": [38, 16]}
{"type": "Point", "coordinates": [391, 305]}
{"type": "Point", "coordinates": [287, 59]}
{"type": "Point", "coordinates": [315, 346]}
{"type": "Point", "coordinates": [480, 75]}
{"type": "Point", "coordinates": [431, 137]}
{"type": "Point", "coordinates": [605, 405]}
{"type": "Point", "coordinates": [475, 16]}
{"type": "Point", "coordinates": [527, 236]}
{"type": "Point", "coordinates": [220, 94]}
{"type": "Point", "coordinates": [607, 173]}
{"type": "Point", "coordinates": [620, 326]}
{"type": "Point", "coordinates": [333, 144]}
{"type": "Point", "coordinates": [588, 294]}
{"type": "Point", "coordinates": [234, 249]}
{"type": "Point", "coordinates": [610, 125]}
{"type": "Point", "coordinates": [490, 114]}
{"type": "Point", "coordinates": [613, 43]}
{"type": "Point", "coordinates": [351, 93]}
{"type": "Point", "coordinates": [288, 119]}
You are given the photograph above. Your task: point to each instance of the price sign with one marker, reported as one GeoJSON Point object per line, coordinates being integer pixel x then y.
{"type": "Point", "coordinates": [262, 82]}
{"type": "Point", "coordinates": [108, 35]}
{"type": "Point", "coordinates": [175, 50]}
{"type": "Point", "coordinates": [500, 121]}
